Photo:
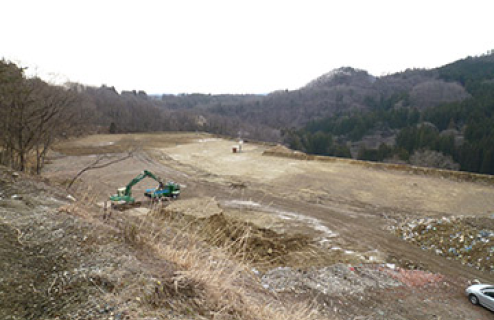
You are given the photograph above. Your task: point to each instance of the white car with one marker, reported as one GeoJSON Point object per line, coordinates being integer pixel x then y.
{"type": "Point", "coordinates": [482, 294]}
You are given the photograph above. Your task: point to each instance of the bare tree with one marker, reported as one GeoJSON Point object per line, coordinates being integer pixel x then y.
{"type": "Point", "coordinates": [15, 99]}
{"type": "Point", "coordinates": [33, 115]}
{"type": "Point", "coordinates": [56, 117]}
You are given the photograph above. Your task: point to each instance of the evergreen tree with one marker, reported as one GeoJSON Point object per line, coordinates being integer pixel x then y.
{"type": "Point", "coordinates": [113, 128]}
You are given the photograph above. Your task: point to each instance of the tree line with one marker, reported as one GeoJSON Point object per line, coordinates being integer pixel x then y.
{"type": "Point", "coordinates": [35, 114]}
{"type": "Point", "coordinates": [462, 131]}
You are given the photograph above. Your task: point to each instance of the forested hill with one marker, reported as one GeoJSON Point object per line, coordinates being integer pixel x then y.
{"type": "Point", "coordinates": [440, 117]}
{"type": "Point", "coordinates": [347, 90]}
{"type": "Point", "coordinates": [421, 129]}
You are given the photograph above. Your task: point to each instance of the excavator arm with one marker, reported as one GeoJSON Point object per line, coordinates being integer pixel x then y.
{"type": "Point", "coordinates": [139, 178]}
{"type": "Point", "coordinates": [126, 194]}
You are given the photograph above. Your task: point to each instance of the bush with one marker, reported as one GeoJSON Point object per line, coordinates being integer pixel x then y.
{"type": "Point", "coordinates": [433, 159]}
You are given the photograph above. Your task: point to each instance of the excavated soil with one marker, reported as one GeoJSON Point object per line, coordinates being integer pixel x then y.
{"type": "Point", "coordinates": [345, 210]}
{"type": "Point", "coordinates": [262, 247]}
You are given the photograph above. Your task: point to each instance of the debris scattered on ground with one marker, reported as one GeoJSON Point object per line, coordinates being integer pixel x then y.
{"type": "Point", "coordinates": [469, 240]}
{"type": "Point", "coordinates": [414, 278]}
{"type": "Point", "coordinates": [365, 291]}
{"type": "Point", "coordinates": [49, 268]}
{"type": "Point", "coordinates": [333, 280]}
{"type": "Point", "coordinates": [342, 279]}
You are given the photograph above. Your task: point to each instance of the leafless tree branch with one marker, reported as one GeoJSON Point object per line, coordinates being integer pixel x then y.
{"type": "Point", "coordinates": [96, 165]}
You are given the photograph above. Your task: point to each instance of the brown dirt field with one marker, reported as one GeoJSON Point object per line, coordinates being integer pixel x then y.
{"type": "Point", "coordinates": [117, 143]}
{"type": "Point", "coordinates": [340, 205]}
{"type": "Point", "coordinates": [325, 183]}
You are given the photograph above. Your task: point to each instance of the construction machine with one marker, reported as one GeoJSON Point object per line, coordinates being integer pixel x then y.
{"type": "Point", "coordinates": [124, 194]}
{"type": "Point", "coordinates": [167, 190]}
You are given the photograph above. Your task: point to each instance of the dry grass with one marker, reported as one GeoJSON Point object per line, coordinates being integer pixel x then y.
{"type": "Point", "coordinates": [200, 280]}
{"type": "Point", "coordinates": [207, 281]}
{"type": "Point", "coordinates": [224, 287]}
{"type": "Point", "coordinates": [261, 247]}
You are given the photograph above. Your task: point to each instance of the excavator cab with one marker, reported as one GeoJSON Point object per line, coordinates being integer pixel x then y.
{"type": "Point", "coordinates": [121, 192]}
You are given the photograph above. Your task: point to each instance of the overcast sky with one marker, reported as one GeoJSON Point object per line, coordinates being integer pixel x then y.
{"type": "Point", "coordinates": [235, 46]}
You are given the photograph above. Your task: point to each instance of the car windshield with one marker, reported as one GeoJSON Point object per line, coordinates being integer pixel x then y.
{"type": "Point", "coordinates": [488, 290]}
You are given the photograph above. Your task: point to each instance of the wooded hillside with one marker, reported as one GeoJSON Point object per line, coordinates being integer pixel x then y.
{"type": "Point", "coordinates": [440, 117]}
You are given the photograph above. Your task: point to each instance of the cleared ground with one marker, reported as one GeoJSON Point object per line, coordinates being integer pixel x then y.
{"type": "Point", "coordinates": [347, 211]}
{"type": "Point", "coordinates": [326, 182]}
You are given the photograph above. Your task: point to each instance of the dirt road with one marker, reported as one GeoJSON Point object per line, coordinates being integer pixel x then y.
{"type": "Point", "coordinates": [349, 206]}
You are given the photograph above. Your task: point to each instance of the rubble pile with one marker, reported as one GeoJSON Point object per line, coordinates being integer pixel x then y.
{"type": "Point", "coordinates": [468, 240]}
{"type": "Point", "coordinates": [415, 278]}
{"type": "Point", "coordinates": [333, 280]}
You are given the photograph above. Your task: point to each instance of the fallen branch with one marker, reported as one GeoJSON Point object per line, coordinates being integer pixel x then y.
{"type": "Point", "coordinates": [96, 165]}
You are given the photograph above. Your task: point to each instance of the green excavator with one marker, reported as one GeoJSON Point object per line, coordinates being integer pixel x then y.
{"type": "Point", "coordinates": [124, 195]}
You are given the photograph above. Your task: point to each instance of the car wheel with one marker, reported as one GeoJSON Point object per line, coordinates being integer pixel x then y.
{"type": "Point", "coordinates": [473, 299]}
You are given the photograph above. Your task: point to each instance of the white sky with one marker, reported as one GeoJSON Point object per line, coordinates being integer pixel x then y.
{"type": "Point", "coordinates": [236, 46]}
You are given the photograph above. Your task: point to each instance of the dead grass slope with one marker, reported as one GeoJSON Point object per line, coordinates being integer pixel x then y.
{"type": "Point", "coordinates": [61, 260]}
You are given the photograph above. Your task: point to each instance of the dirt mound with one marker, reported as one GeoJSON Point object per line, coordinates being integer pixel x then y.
{"type": "Point", "coordinates": [245, 240]}
{"type": "Point", "coordinates": [255, 244]}
{"type": "Point", "coordinates": [470, 240]}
